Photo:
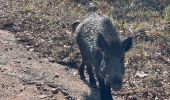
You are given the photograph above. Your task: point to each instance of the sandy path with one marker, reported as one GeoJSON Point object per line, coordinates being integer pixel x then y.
{"type": "Point", "coordinates": [25, 76]}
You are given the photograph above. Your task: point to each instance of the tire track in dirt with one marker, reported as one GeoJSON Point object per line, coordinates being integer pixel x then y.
{"type": "Point", "coordinates": [31, 77]}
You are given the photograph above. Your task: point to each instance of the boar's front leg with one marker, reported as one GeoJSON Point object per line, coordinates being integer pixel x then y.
{"type": "Point", "coordinates": [81, 71]}
{"type": "Point", "coordinates": [105, 90]}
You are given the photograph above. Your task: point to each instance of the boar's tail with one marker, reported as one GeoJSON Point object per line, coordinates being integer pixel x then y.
{"type": "Point", "coordinates": [74, 25]}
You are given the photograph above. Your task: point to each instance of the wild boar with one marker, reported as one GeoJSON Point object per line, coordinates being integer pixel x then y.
{"type": "Point", "coordinates": [102, 53]}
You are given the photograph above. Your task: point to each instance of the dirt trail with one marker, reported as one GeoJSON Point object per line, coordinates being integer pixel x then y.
{"type": "Point", "coordinates": [25, 76]}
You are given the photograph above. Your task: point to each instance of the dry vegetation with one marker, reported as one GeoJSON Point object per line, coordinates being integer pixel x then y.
{"type": "Point", "coordinates": [45, 27]}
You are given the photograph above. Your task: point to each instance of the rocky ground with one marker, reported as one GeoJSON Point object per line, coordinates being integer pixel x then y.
{"type": "Point", "coordinates": [39, 56]}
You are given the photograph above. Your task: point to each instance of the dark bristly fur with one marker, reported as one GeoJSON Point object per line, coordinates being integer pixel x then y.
{"type": "Point", "coordinates": [101, 47]}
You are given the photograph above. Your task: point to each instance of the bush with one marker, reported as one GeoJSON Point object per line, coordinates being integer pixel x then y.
{"type": "Point", "coordinates": [167, 13]}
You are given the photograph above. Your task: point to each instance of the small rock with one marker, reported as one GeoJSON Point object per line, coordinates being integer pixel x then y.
{"type": "Point", "coordinates": [43, 96]}
{"type": "Point", "coordinates": [6, 49]}
{"type": "Point", "coordinates": [52, 85]}
{"type": "Point", "coordinates": [45, 89]}
{"type": "Point", "coordinates": [75, 73]}
{"type": "Point", "coordinates": [29, 58]}
{"type": "Point", "coordinates": [140, 74]}
{"type": "Point", "coordinates": [42, 40]}
{"type": "Point", "coordinates": [51, 59]}
{"type": "Point", "coordinates": [28, 46]}
{"type": "Point", "coordinates": [3, 85]}
{"type": "Point", "coordinates": [17, 61]}
{"type": "Point", "coordinates": [133, 97]}
{"type": "Point", "coordinates": [28, 81]}
{"type": "Point", "coordinates": [92, 7]}
{"type": "Point", "coordinates": [20, 90]}
{"type": "Point", "coordinates": [38, 85]}
{"type": "Point", "coordinates": [50, 41]}
{"type": "Point", "coordinates": [2, 70]}
{"type": "Point", "coordinates": [65, 46]}
{"type": "Point", "coordinates": [40, 61]}
{"type": "Point", "coordinates": [68, 32]}
{"type": "Point", "coordinates": [56, 75]}
{"type": "Point", "coordinates": [54, 90]}
{"type": "Point", "coordinates": [31, 49]}
{"type": "Point", "coordinates": [66, 60]}
{"type": "Point", "coordinates": [68, 97]}
{"type": "Point", "coordinates": [145, 94]}
{"type": "Point", "coordinates": [67, 68]}
{"type": "Point", "coordinates": [65, 93]}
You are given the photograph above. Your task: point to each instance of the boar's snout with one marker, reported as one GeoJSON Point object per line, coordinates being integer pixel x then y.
{"type": "Point", "coordinates": [116, 83]}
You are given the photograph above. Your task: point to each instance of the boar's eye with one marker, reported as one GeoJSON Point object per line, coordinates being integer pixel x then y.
{"type": "Point", "coordinates": [122, 57]}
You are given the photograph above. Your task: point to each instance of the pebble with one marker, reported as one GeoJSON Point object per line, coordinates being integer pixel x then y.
{"type": "Point", "coordinates": [31, 49]}
{"type": "Point", "coordinates": [56, 75]}
{"type": "Point", "coordinates": [54, 90]}
{"type": "Point", "coordinates": [133, 97]}
{"type": "Point", "coordinates": [75, 73]}
{"type": "Point", "coordinates": [29, 58]}
{"type": "Point", "coordinates": [42, 96]}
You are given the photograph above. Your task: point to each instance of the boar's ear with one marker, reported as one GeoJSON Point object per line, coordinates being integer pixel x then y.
{"type": "Point", "coordinates": [102, 43]}
{"type": "Point", "coordinates": [127, 43]}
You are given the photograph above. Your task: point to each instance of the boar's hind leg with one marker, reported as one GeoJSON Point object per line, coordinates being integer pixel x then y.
{"type": "Point", "coordinates": [81, 71]}
{"type": "Point", "coordinates": [91, 75]}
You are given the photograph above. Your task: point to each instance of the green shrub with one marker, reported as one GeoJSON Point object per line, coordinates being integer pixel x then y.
{"type": "Point", "coordinates": [167, 13]}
